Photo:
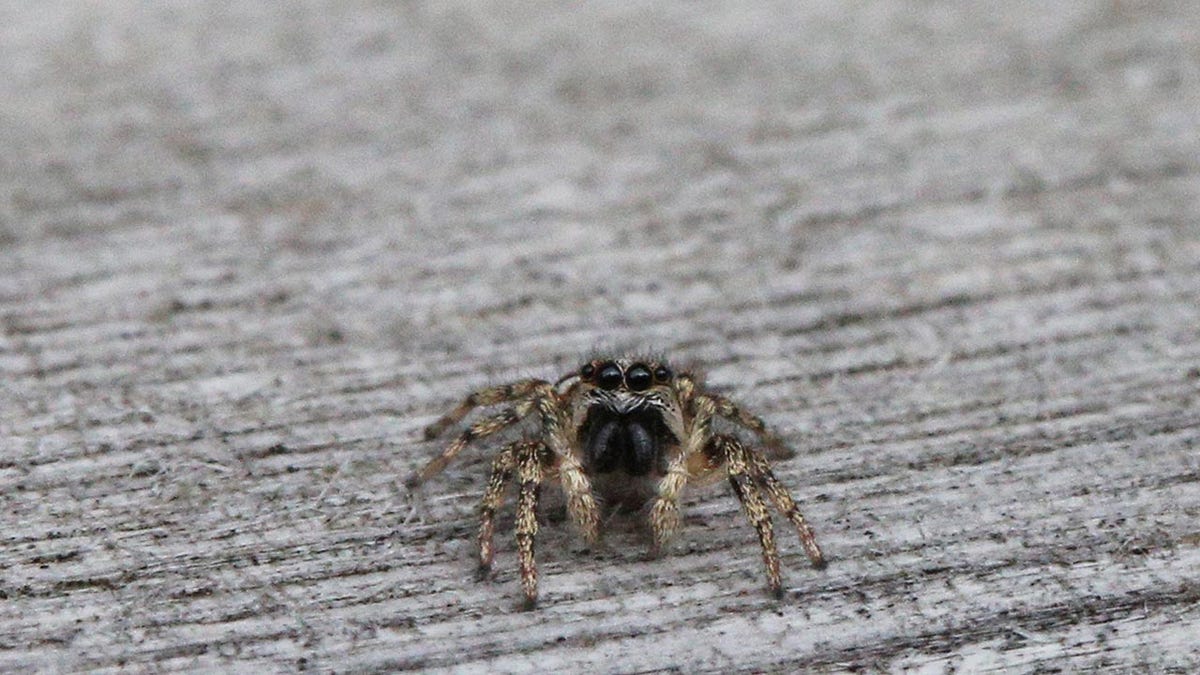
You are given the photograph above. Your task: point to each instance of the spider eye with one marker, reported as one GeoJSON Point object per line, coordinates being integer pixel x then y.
{"type": "Point", "coordinates": [609, 376]}
{"type": "Point", "coordinates": [587, 371]}
{"type": "Point", "coordinates": [638, 377]}
{"type": "Point", "coordinates": [662, 374]}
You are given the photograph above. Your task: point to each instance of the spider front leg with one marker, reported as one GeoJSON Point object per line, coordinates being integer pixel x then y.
{"type": "Point", "coordinates": [581, 502]}
{"type": "Point", "coordinates": [664, 515]}
{"type": "Point", "coordinates": [529, 472]}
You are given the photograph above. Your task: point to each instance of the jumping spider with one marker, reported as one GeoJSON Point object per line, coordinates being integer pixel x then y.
{"type": "Point", "coordinates": [619, 423]}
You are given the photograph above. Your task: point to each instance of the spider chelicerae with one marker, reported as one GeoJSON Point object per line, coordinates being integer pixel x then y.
{"type": "Point", "coordinates": [613, 428]}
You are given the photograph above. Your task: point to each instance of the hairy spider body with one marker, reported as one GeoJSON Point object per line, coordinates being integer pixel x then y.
{"type": "Point", "coordinates": [612, 428]}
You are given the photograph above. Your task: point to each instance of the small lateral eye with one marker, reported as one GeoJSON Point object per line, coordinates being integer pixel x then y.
{"type": "Point", "coordinates": [587, 371]}
{"type": "Point", "coordinates": [662, 374]}
{"type": "Point", "coordinates": [638, 377]}
{"type": "Point", "coordinates": [609, 376]}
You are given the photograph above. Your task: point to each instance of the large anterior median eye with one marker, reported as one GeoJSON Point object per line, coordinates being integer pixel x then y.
{"type": "Point", "coordinates": [609, 376]}
{"type": "Point", "coordinates": [638, 377]}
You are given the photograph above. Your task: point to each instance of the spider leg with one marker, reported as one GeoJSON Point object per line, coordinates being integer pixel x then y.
{"type": "Point", "coordinates": [529, 471]}
{"type": "Point", "coordinates": [729, 410]}
{"type": "Point", "coordinates": [502, 473]}
{"type": "Point", "coordinates": [664, 515]}
{"type": "Point", "coordinates": [484, 427]}
{"type": "Point", "coordinates": [783, 501]}
{"type": "Point", "coordinates": [490, 396]}
{"type": "Point", "coordinates": [581, 502]}
{"type": "Point", "coordinates": [741, 478]}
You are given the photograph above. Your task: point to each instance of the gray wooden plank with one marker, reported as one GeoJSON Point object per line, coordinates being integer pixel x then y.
{"type": "Point", "coordinates": [248, 252]}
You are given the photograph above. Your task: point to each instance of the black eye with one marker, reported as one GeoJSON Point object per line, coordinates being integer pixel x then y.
{"type": "Point", "coordinates": [662, 374]}
{"type": "Point", "coordinates": [587, 371]}
{"type": "Point", "coordinates": [638, 377]}
{"type": "Point", "coordinates": [609, 376]}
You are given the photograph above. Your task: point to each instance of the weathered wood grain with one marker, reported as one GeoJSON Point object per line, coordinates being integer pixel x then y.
{"type": "Point", "coordinates": [951, 250]}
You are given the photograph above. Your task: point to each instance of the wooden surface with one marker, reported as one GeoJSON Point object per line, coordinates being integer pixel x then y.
{"type": "Point", "coordinates": [950, 250]}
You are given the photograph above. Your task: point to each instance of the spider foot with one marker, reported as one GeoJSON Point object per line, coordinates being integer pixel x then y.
{"type": "Point", "coordinates": [483, 573]}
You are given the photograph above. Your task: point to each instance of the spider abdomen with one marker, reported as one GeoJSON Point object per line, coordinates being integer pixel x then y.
{"type": "Point", "coordinates": [632, 442]}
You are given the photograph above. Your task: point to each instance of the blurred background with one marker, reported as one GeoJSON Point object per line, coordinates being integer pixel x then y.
{"type": "Point", "coordinates": [464, 170]}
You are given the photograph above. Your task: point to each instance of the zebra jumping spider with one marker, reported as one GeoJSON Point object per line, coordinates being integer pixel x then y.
{"type": "Point", "coordinates": [613, 425]}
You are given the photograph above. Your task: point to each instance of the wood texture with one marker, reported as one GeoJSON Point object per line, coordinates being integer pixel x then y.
{"type": "Point", "coordinates": [949, 250]}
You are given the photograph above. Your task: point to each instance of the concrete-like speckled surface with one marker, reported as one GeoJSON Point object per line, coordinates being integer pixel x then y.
{"type": "Point", "coordinates": [247, 250]}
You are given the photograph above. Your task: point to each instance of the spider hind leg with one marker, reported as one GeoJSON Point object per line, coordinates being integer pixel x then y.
{"type": "Point", "coordinates": [750, 476]}
{"type": "Point", "coordinates": [504, 393]}
{"type": "Point", "coordinates": [746, 488]}
{"type": "Point", "coordinates": [787, 506]}
{"type": "Point", "coordinates": [503, 468]}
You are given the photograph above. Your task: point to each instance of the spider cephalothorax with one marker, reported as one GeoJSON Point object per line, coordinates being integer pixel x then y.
{"type": "Point", "coordinates": [621, 420]}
